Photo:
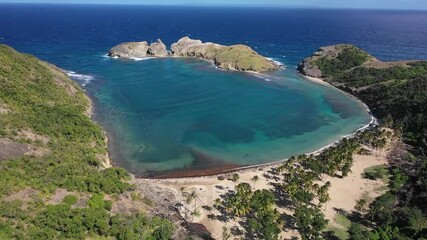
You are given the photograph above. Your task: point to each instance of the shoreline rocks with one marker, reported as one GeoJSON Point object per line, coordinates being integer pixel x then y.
{"type": "Point", "coordinates": [158, 49]}
{"type": "Point", "coordinates": [233, 58]}
{"type": "Point", "coordinates": [131, 50]}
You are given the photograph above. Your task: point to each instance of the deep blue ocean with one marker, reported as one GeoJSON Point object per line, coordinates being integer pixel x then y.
{"type": "Point", "coordinates": [167, 115]}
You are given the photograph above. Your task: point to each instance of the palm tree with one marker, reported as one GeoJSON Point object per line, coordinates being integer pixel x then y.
{"type": "Point", "coordinates": [346, 169]}
{"type": "Point", "coordinates": [255, 179]}
{"type": "Point", "coordinates": [361, 205]}
{"type": "Point", "coordinates": [235, 177]}
{"type": "Point", "coordinates": [243, 189]}
{"type": "Point", "coordinates": [225, 233]}
{"type": "Point", "coordinates": [182, 189]}
{"type": "Point", "coordinates": [217, 202]}
{"type": "Point", "coordinates": [241, 209]}
{"type": "Point", "coordinates": [192, 197]}
{"type": "Point", "coordinates": [323, 193]}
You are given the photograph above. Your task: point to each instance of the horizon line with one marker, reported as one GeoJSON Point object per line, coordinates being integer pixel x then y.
{"type": "Point", "coordinates": [219, 5]}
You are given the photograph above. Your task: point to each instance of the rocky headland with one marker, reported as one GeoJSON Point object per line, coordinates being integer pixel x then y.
{"type": "Point", "coordinates": [391, 89]}
{"type": "Point", "coordinates": [234, 58]}
{"type": "Point", "coordinates": [332, 60]}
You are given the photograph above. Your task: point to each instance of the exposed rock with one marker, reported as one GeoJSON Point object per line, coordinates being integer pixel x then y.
{"type": "Point", "coordinates": [186, 47]}
{"type": "Point", "coordinates": [236, 57]}
{"type": "Point", "coordinates": [139, 50]}
{"type": "Point", "coordinates": [158, 49]}
{"type": "Point", "coordinates": [130, 50]}
{"type": "Point", "coordinates": [28, 135]}
{"type": "Point", "coordinates": [25, 195]}
{"type": "Point", "coordinates": [10, 149]}
{"type": "Point", "coordinates": [58, 196]}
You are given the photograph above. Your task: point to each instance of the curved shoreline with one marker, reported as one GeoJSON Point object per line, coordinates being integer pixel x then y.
{"type": "Point", "coordinates": [221, 170]}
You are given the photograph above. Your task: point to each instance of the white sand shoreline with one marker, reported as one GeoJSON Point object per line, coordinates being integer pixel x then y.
{"type": "Point", "coordinates": [209, 187]}
{"type": "Point", "coordinates": [107, 162]}
{"type": "Point", "coordinates": [344, 192]}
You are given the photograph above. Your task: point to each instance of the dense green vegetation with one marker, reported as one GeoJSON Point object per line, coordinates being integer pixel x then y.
{"type": "Point", "coordinates": [297, 185]}
{"type": "Point", "coordinates": [376, 172]}
{"type": "Point", "coordinates": [257, 207]}
{"type": "Point", "coordinates": [30, 89]}
{"type": "Point", "coordinates": [348, 58]}
{"type": "Point", "coordinates": [301, 176]}
{"type": "Point", "coordinates": [62, 221]}
{"type": "Point", "coordinates": [397, 94]}
{"type": "Point", "coordinates": [42, 100]}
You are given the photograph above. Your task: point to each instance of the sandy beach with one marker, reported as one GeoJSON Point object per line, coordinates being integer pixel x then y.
{"type": "Point", "coordinates": [317, 80]}
{"type": "Point", "coordinates": [168, 190]}
{"type": "Point", "coordinates": [344, 192]}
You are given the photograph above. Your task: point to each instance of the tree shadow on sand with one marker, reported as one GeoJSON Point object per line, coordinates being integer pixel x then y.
{"type": "Point", "coordinates": [223, 215]}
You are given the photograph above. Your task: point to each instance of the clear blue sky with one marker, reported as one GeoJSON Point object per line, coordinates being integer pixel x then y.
{"type": "Point", "coordinates": [376, 4]}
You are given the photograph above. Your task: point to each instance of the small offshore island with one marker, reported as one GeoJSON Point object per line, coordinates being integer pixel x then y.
{"type": "Point", "coordinates": [57, 182]}
{"type": "Point", "coordinates": [235, 57]}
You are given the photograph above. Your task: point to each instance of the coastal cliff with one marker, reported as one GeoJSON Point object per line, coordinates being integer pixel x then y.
{"type": "Point", "coordinates": [233, 58]}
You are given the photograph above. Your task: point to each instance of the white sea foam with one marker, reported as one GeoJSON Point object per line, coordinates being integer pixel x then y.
{"type": "Point", "coordinates": [134, 58]}
{"type": "Point", "coordinates": [276, 62]}
{"type": "Point", "coordinates": [142, 59]}
{"type": "Point", "coordinates": [106, 56]}
{"type": "Point", "coordinates": [260, 75]}
{"type": "Point", "coordinates": [80, 78]}
{"type": "Point", "coordinates": [373, 122]}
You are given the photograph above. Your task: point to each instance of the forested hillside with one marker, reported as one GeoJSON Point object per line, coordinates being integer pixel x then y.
{"type": "Point", "coordinates": [52, 181]}
{"type": "Point", "coordinates": [396, 92]}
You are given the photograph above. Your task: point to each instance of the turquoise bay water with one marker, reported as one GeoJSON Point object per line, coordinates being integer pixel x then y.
{"type": "Point", "coordinates": [172, 114]}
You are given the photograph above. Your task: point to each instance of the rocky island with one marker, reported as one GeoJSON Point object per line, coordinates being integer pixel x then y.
{"type": "Point", "coordinates": [234, 58]}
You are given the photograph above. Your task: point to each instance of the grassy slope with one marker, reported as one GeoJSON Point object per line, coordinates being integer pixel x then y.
{"type": "Point", "coordinates": [236, 57]}
{"type": "Point", "coordinates": [243, 58]}
{"type": "Point", "coordinates": [44, 101]}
